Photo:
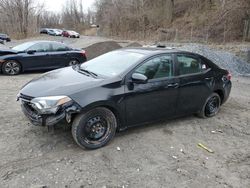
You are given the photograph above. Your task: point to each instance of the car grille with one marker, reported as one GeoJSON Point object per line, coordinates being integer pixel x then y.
{"type": "Point", "coordinates": [28, 107]}
{"type": "Point", "coordinates": [25, 97]}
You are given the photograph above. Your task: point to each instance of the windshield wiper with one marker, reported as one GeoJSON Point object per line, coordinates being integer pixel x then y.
{"type": "Point", "coordinates": [89, 72]}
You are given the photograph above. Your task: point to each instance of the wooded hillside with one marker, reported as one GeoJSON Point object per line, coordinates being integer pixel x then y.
{"type": "Point", "coordinates": [208, 20]}
{"type": "Point", "coordinates": [159, 20]}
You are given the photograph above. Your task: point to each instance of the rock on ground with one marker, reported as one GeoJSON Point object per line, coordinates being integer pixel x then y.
{"type": "Point", "coordinates": [134, 44]}
{"type": "Point", "coordinates": [100, 48]}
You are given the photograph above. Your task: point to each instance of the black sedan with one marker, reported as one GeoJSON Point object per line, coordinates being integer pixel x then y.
{"type": "Point", "coordinates": [39, 55]}
{"type": "Point", "coordinates": [125, 88]}
{"type": "Point", "coordinates": [5, 37]}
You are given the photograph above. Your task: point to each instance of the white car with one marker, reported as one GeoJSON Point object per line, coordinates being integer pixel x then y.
{"type": "Point", "coordinates": [74, 34]}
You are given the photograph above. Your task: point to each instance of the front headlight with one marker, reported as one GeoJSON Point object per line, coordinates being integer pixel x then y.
{"type": "Point", "coordinates": [49, 105]}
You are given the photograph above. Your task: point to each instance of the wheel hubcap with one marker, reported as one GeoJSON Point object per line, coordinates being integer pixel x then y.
{"type": "Point", "coordinates": [96, 128]}
{"type": "Point", "coordinates": [212, 106]}
{"type": "Point", "coordinates": [12, 68]}
{"type": "Point", "coordinates": [73, 62]}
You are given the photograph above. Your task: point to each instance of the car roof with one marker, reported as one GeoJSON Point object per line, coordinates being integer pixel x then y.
{"type": "Point", "coordinates": [42, 41]}
{"type": "Point", "coordinates": [147, 51]}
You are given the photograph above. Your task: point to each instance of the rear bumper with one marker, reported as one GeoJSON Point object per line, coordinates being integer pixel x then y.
{"type": "Point", "coordinates": [227, 90]}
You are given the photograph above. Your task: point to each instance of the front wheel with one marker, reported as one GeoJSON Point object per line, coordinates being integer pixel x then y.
{"type": "Point", "coordinates": [211, 107]}
{"type": "Point", "coordinates": [11, 68]}
{"type": "Point", "coordinates": [95, 128]}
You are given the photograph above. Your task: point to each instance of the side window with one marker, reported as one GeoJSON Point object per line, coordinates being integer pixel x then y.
{"type": "Point", "coordinates": [189, 64]}
{"type": "Point", "coordinates": [59, 47]}
{"type": "Point", "coordinates": [41, 47]}
{"type": "Point", "coordinates": [158, 67]}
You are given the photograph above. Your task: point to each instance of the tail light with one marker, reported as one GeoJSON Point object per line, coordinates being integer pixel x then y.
{"type": "Point", "coordinates": [228, 76]}
{"type": "Point", "coordinates": [83, 52]}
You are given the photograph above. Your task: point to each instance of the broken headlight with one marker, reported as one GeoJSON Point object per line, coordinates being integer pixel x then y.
{"type": "Point", "coordinates": [49, 105]}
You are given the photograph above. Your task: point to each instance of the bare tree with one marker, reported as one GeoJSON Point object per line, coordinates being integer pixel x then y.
{"type": "Point", "coordinates": [16, 16]}
{"type": "Point", "coordinates": [133, 17]}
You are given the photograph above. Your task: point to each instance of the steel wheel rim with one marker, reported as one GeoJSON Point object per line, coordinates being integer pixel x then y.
{"type": "Point", "coordinates": [12, 68]}
{"type": "Point", "coordinates": [212, 106]}
{"type": "Point", "coordinates": [96, 130]}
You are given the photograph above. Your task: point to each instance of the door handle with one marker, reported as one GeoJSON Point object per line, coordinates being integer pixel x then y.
{"type": "Point", "coordinates": [209, 79]}
{"type": "Point", "coordinates": [174, 85]}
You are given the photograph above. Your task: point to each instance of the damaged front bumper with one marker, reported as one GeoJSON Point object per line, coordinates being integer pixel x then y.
{"type": "Point", "coordinates": [64, 113]}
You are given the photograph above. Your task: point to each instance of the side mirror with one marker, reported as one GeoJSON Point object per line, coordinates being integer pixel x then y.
{"type": "Point", "coordinates": [204, 67]}
{"type": "Point", "coordinates": [139, 78]}
{"type": "Point", "coordinates": [31, 51]}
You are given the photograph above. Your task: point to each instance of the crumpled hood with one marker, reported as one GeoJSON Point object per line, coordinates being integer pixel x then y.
{"type": "Point", "coordinates": [7, 52]}
{"type": "Point", "coordinates": [65, 81]}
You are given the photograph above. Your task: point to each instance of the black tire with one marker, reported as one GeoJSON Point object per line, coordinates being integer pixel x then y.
{"type": "Point", "coordinates": [95, 128]}
{"type": "Point", "coordinates": [73, 62]}
{"type": "Point", "coordinates": [11, 67]}
{"type": "Point", "coordinates": [211, 107]}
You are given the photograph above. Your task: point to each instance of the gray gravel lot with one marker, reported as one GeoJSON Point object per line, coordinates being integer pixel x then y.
{"type": "Point", "coordinates": [162, 154]}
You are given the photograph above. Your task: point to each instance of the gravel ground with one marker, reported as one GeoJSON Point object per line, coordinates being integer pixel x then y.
{"type": "Point", "coordinates": [157, 155]}
{"type": "Point", "coordinates": [163, 154]}
{"type": "Point", "coordinates": [222, 58]}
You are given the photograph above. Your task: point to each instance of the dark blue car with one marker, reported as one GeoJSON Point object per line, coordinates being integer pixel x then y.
{"type": "Point", "coordinates": [4, 37]}
{"type": "Point", "coordinates": [39, 55]}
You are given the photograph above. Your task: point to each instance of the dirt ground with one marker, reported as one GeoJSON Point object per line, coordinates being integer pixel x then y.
{"type": "Point", "coordinates": [157, 155]}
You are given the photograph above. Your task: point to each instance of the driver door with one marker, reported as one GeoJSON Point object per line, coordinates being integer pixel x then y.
{"type": "Point", "coordinates": [155, 99]}
{"type": "Point", "coordinates": [39, 59]}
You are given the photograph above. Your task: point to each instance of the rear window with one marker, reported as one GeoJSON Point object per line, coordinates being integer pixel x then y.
{"type": "Point", "coordinates": [189, 64]}
{"type": "Point", "coordinates": [59, 47]}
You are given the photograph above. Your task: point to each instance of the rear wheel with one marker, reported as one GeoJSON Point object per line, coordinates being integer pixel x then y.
{"type": "Point", "coordinates": [211, 107]}
{"type": "Point", "coordinates": [11, 68]}
{"type": "Point", "coordinates": [73, 62]}
{"type": "Point", "coordinates": [95, 128]}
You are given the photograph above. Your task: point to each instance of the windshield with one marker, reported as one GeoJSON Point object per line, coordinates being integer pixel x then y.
{"type": "Point", "coordinates": [23, 47]}
{"type": "Point", "coordinates": [112, 63]}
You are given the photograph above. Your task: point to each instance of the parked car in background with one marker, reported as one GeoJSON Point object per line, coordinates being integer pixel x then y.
{"type": "Point", "coordinates": [65, 33]}
{"type": "Point", "coordinates": [44, 31]}
{"type": "Point", "coordinates": [5, 37]}
{"type": "Point", "coordinates": [59, 32]}
{"type": "Point", "coordinates": [39, 55]}
{"type": "Point", "coordinates": [1, 41]}
{"type": "Point", "coordinates": [52, 32]}
{"type": "Point", "coordinates": [74, 34]}
{"type": "Point", "coordinates": [125, 88]}
{"type": "Point", "coordinates": [71, 34]}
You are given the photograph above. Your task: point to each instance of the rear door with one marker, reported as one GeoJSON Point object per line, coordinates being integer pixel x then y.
{"type": "Point", "coordinates": [60, 54]}
{"type": "Point", "coordinates": [157, 98]}
{"type": "Point", "coordinates": [196, 83]}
